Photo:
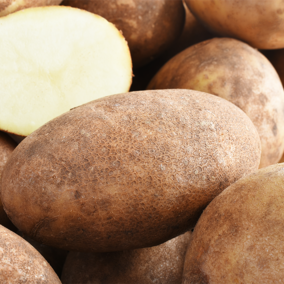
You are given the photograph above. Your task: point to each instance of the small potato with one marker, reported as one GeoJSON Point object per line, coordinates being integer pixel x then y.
{"type": "Point", "coordinates": [127, 171]}
{"type": "Point", "coordinates": [7, 146]}
{"type": "Point", "coordinates": [21, 263]}
{"type": "Point", "coordinates": [239, 236]}
{"type": "Point", "coordinates": [259, 23]}
{"type": "Point", "coordinates": [161, 264]}
{"type": "Point", "coordinates": [10, 6]}
{"type": "Point", "coordinates": [233, 70]}
{"type": "Point", "coordinates": [149, 26]}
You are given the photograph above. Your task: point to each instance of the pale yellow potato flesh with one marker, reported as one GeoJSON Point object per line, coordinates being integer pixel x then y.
{"type": "Point", "coordinates": [53, 59]}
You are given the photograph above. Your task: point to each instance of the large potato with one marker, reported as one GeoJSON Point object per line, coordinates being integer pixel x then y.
{"type": "Point", "coordinates": [149, 26]}
{"type": "Point", "coordinates": [127, 171]}
{"type": "Point", "coordinates": [7, 146]}
{"type": "Point", "coordinates": [21, 263]}
{"type": "Point", "coordinates": [259, 23]}
{"type": "Point", "coordinates": [161, 264]}
{"type": "Point", "coordinates": [239, 236]}
{"type": "Point", "coordinates": [238, 73]}
{"type": "Point", "coordinates": [11, 6]}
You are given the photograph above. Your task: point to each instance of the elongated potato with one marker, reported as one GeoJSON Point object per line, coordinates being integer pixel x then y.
{"type": "Point", "coordinates": [238, 73]}
{"type": "Point", "coordinates": [239, 236]}
{"type": "Point", "coordinates": [161, 264]}
{"type": "Point", "coordinates": [21, 263]}
{"type": "Point", "coordinates": [127, 171]}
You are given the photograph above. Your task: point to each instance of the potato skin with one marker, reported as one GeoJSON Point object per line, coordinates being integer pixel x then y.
{"type": "Point", "coordinates": [7, 146]}
{"type": "Point", "coordinates": [238, 73]}
{"type": "Point", "coordinates": [127, 171]}
{"type": "Point", "coordinates": [239, 236]}
{"type": "Point", "coordinates": [161, 264]}
{"type": "Point", "coordinates": [259, 23]}
{"type": "Point", "coordinates": [21, 263]}
{"type": "Point", "coordinates": [149, 26]}
{"type": "Point", "coordinates": [10, 6]}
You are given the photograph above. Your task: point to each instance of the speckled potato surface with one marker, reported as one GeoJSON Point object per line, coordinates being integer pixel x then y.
{"type": "Point", "coordinates": [127, 171]}
{"type": "Point", "coordinates": [161, 264]}
{"type": "Point", "coordinates": [10, 6]}
{"type": "Point", "coordinates": [238, 73]}
{"type": "Point", "coordinates": [239, 236]}
{"type": "Point", "coordinates": [21, 263]}
{"type": "Point", "coordinates": [259, 23]}
{"type": "Point", "coordinates": [149, 26]}
{"type": "Point", "coordinates": [7, 146]}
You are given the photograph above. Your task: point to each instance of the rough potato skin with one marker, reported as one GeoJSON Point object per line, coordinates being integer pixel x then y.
{"type": "Point", "coordinates": [161, 264]}
{"type": "Point", "coordinates": [238, 73]}
{"type": "Point", "coordinates": [127, 171]}
{"type": "Point", "coordinates": [149, 26]}
{"type": "Point", "coordinates": [239, 236]}
{"type": "Point", "coordinates": [20, 263]}
{"type": "Point", "coordinates": [7, 146]}
{"type": "Point", "coordinates": [11, 6]}
{"type": "Point", "coordinates": [259, 23]}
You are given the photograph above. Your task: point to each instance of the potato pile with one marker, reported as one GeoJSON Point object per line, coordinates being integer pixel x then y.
{"type": "Point", "coordinates": [147, 149]}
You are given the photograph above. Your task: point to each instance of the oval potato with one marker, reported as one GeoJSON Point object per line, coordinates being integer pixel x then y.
{"type": "Point", "coordinates": [21, 263]}
{"type": "Point", "coordinates": [127, 171]}
{"type": "Point", "coordinates": [239, 236]}
{"type": "Point", "coordinates": [233, 70]}
{"type": "Point", "coordinates": [259, 23]}
{"type": "Point", "coordinates": [161, 264]}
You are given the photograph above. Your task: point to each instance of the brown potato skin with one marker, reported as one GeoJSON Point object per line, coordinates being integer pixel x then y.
{"type": "Point", "coordinates": [6, 5]}
{"type": "Point", "coordinates": [238, 73]}
{"type": "Point", "coordinates": [239, 236]}
{"type": "Point", "coordinates": [21, 263]}
{"type": "Point", "coordinates": [127, 171]}
{"type": "Point", "coordinates": [149, 26]}
{"type": "Point", "coordinates": [7, 146]}
{"type": "Point", "coordinates": [259, 23]}
{"type": "Point", "coordinates": [161, 264]}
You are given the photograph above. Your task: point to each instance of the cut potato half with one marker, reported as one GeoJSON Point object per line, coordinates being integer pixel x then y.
{"type": "Point", "coordinates": [53, 59]}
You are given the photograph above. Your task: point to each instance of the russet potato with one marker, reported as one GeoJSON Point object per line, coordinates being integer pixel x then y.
{"type": "Point", "coordinates": [239, 236]}
{"type": "Point", "coordinates": [127, 171]}
{"type": "Point", "coordinates": [259, 23]}
{"type": "Point", "coordinates": [7, 146]}
{"type": "Point", "coordinates": [161, 264]}
{"type": "Point", "coordinates": [233, 70]}
{"type": "Point", "coordinates": [149, 26]}
{"type": "Point", "coordinates": [21, 263]}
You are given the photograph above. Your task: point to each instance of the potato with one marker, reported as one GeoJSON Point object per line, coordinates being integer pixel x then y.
{"type": "Point", "coordinates": [238, 73]}
{"type": "Point", "coordinates": [239, 236]}
{"type": "Point", "coordinates": [7, 146]}
{"type": "Point", "coordinates": [259, 23]}
{"type": "Point", "coordinates": [53, 59]}
{"type": "Point", "coordinates": [127, 171]}
{"type": "Point", "coordinates": [21, 263]}
{"type": "Point", "coordinates": [11, 6]}
{"type": "Point", "coordinates": [55, 257]}
{"type": "Point", "coordinates": [149, 26]}
{"type": "Point", "coordinates": [161, 264]}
